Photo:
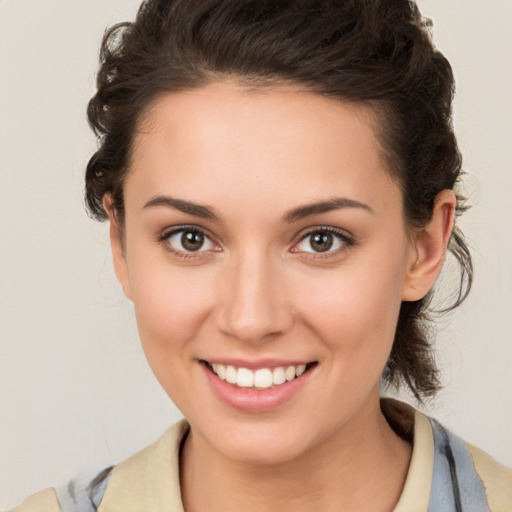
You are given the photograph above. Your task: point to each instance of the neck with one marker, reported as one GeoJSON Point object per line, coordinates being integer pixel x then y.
{"type": "Point", "coordinates": [361, 467]}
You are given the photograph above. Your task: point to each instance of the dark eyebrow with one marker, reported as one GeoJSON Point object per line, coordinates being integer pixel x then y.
{"type": "Point", "coordinates": [205, 212]}
{"type": "Point", "coordinates": [335, 203]}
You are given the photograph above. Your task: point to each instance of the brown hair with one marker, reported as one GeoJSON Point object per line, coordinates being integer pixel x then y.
{"type": "Point", "coordinates": [373, 52]}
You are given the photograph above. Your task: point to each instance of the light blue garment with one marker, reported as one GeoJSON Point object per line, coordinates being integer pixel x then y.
{"type": "Point", "coordinates": [84, 496]}
{"type": "Point", "coordinates": [456, 486]}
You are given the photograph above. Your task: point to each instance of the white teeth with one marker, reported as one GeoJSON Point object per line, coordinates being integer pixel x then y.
{"type": "Point", "coordinates": [230, 374]}
{"type": "Point", "coordinates": [290, 373]}
{"type": "Point", "coordinates": [262, 378]}
{"type": "Point", "coordinates": [245, 378]}
{"type": "Point", "coordinates": [300, 370]}
{"type": "Point", "coordinates": [278, 376]}
{"type": "Point", "coordinates": [221, 371]}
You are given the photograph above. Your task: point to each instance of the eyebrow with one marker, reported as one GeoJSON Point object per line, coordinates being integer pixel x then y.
{"type": "Point", "coordinates": [301, 212]}
{"type": "Point", "coordinates": [336, 203]}
{"type": "Point", "coordinates": [197, 210]}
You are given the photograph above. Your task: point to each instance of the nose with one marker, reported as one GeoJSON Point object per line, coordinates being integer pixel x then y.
{"type": "Point", "coordinates": [254, 306]}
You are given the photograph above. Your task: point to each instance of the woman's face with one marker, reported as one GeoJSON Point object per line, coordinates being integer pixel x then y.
{"type": "Point", "coordinates": [262, 234]}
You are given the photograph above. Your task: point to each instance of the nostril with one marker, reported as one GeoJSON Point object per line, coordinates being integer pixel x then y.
{"type": "Point", "coordinates": [254, 322]}
{"type": "Point", "coordinates": [253, 305]}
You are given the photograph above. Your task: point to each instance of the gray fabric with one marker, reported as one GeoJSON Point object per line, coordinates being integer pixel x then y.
{"type": "Point", "coordinates": [98, 492]}
{"type": "Point", "coordinates": [83, 494]}
{"type": "Point", "coordinates": [456, 486]}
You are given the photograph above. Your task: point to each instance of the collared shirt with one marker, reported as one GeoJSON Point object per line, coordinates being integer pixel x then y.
{"type": "Point", "coordinates": [445, 475]}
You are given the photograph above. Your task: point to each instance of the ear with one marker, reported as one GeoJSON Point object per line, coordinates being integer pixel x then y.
{"type": "Point", "coordinates": [117, 246]}
{"type": "Point", "coordinates": [429, 248]}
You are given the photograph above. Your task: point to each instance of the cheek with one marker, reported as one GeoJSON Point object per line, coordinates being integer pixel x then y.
{"type": "Point", "coordinates": [171, 304]}
{"type": "Point", "coordinates": [354, 310]}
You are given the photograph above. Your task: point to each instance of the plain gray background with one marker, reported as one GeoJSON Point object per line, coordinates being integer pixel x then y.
{"type": "Point", "coordinates": [75, 390]}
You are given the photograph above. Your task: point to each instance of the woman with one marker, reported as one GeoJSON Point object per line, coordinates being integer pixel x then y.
{"type": "Point", "coordinates": [279, 181]}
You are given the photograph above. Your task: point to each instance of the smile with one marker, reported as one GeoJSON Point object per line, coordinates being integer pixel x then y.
{"type": "Point", "coordinates": [261, 378]}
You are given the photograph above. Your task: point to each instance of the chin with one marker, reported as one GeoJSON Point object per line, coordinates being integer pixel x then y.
{"type": "Point", "coordinates": [263, 453]}
{"type": "Point", "coordinates": [260, 443]}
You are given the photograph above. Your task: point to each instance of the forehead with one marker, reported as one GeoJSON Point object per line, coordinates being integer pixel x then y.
{"type": "Point", "coordinates": [228, 140]}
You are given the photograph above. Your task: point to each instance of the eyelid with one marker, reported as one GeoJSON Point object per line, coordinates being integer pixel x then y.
{"type": "Point", "coordinates": [164, 236]}
{"type": "Point", "coordinates": [346, 238]}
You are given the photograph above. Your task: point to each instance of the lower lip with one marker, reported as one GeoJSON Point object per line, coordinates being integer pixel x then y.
{"type": "Point", "coordinates": [255, 400]}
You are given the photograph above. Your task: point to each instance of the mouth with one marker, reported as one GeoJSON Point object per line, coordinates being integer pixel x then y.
{"type": "Point", "coordinates": [260, 378]}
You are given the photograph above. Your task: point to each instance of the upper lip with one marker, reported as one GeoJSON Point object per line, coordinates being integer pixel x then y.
{"type": "Point", "coordinates": [255, 364]}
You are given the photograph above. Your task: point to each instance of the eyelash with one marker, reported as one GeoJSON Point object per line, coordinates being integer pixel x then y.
{"type": "Point", "coordinates": [343, 237]}
{"type": "Point", "coordinates": [166, 235]}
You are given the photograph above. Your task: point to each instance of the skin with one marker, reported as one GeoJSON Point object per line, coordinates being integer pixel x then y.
{"type": "Point", "coordinates": [257, 289]}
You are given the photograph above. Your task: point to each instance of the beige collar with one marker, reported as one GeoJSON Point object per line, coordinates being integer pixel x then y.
{"type": "Point", "coordinates": [416, 426]}
{"type": "Point", "coordinates": [149, 480]}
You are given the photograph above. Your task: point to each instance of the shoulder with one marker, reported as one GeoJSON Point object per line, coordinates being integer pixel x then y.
{"type": "Point", "coordinates": [127, 486]}
{"type": "Point", "coordinates": [496, 478]}
{"type": "Point", "coordinates": [43, 501]}
{"type": "Point", "coordinates": [149, 480]}
{"type": "Point", "coordinates": [78, 495]}
{"type": "Point", "coordinates": [474, 475]}
{"type": "Point", "coordinates": [445, 472]}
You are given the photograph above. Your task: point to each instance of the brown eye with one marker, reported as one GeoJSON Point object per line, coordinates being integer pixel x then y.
{"type": "Point", "coordinates": [192, 240]}
{"type": "Point", "coordinates": [321, 242]}
{"type": "Point", "coordinates": [325, 240]}
{"type": "Point", "coordinates": [186, 240]}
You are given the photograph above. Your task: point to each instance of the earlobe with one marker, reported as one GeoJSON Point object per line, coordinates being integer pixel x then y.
{"type": "Point", "coordinates": [429, 248]}
{"type": "Point", "coordinates": [117, 246]}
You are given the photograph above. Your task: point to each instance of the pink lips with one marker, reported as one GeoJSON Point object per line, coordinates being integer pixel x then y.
{"type": "Point", "coordinates": [251, 399]}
